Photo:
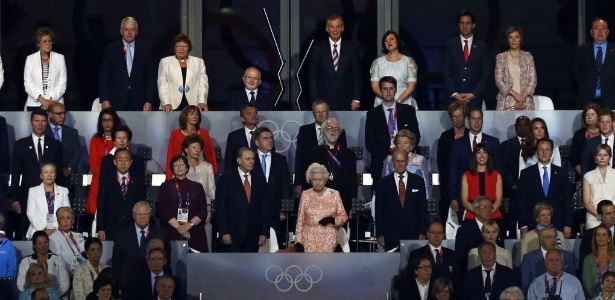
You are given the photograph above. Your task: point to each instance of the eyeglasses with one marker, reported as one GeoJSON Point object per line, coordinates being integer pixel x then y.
{"type": "Point", "coordinates": [425, 267]}
{"type": "Point", "coordinates": [179, 164]}
{"type": "Point", "coordinates": [333, 128]}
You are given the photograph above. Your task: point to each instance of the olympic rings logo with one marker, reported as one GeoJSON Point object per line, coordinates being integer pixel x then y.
{"type": "Point", "coordinates": [283, 133]}
{"type": "Point", "coordinates": [293, 276]}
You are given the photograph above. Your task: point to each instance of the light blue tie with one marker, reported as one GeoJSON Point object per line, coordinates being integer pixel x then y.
{"type": "Point", "coordinates": [264, 164]}
{"type": "Point", "coordinates": [545, 181]}
{"type": "Point", "coordinates": [56, 133]}
{"type": "Point", "coordinates": [129, 58]}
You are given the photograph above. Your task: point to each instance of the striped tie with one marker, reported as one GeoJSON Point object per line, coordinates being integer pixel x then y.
{"type": "Point", "coordinates": [336, 57]}
{"type": "Point", "coordinates": [123, 186]}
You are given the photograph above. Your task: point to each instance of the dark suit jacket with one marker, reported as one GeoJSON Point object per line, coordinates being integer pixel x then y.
{"type": "Point", "coordinates": [510, 174]}
{"type": "Point", "coordinates": [126, 251]}
{"type": "Point", "coordinates": [588, 157]}
{"type": "Point", "coordinates": [461, 155]}
{"type": "Point", "coordinates": [278, 185]}
{"type": "Point", "coordinates": [445, 143]}
{"type": "Point", "coordinates": [238, 99]}
{"type": "Point", "coordinates": [377, 139]}
{"type": "Point", "coordinates": [468, 237]}
{"type": "Point", "coordinates": [71, 149]}
{"type": "Point", "coordinates": [344, 176]}
{"type": "Point", "coordinates": [466, 77]}
{"type": "Point", "coordinates": [533, 265]}
{"type": "Point", "coordinates": [127, 92]}
{"type": "Point", "coordinates": [25, 164]}
{"type": "Point", "coordinates": [450, 268]}
{"type": "Point", "coordinates": [108, 168]}
{"type": "Point", "coordinates": [234, 141]}
{"type": "Point", "coordinates": [395, 222]}
{"type": "Point", "coordinates": [586, 75]}
{"type": "Point", "coordinates": [4, 163]}
{"type": "Point", "coordinates": [243, 220]}
{"type": "Point", "coordinates": [306, 140]}
{"type": "Point", "coordinates": [141, 286]}
{"type": "Point", "coordinates": [339, 87]}
{"type": "Point", "coordinates": [114, 210]}
{"type": "Point", "coordinates": [530, 192]}
{"type": "Point", "coordinates": [473, 283]}
{"type": "Point", "coordinates": [408, 289]}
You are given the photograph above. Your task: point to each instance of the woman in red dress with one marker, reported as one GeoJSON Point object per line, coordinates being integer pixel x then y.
{"type": "Point", "coordinates": [481, 180]}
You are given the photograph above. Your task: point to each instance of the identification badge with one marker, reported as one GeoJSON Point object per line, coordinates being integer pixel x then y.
{"type": "Point", "coordinates": [51, 221]}
{"type": "Point", "coordinates": [182, 215]}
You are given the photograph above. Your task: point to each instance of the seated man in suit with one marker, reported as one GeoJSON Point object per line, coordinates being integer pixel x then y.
{"type": "Point", "coordinates": [606, 213]}
{"type": "Point", "coordinates": [469, 235]}
{"type": "Point", "coordinates": [461, 155]}
{"type": "Point", "coordinates": [588, 158]}
{"type": "Point", "coordinates": [490, 278]}
{"type": "Point", "coordinates": [242, 137]}
{"type": "Point", "coordinates": [400, 205]}
{"type": "Point", "coordinates": [166, 287]}
{"type": "Point", "coordinates": [117, 194]}
{"type": "Point", "coordinates": [242, 215]}
{"type": "Point", "coordinates": [67, 136]}
{"type": "Point", "coordinates": [144, 283]}
{"type": "Point", "coordinates": [122, 135]}
{"type": "Point", "coordinates": [545, 182]}
{"type": "Point", "coordinates": [443, 259]}
{"type": "Point", "coordinates": [556, 281]}
{"type": "Point", "coordinates": [384, 121]}
{"type": "Point", "coordinates": [533, 264]}
{"type": "Point", "coordinates": [250, 94]}
{"type": "Point", "coordinates": [310, 136]}
{"type": "Point", "coordinates": [130, 243]}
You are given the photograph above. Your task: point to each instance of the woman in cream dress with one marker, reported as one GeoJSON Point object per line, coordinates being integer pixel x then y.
{"type": "Point", "coordinates": [598, 185]}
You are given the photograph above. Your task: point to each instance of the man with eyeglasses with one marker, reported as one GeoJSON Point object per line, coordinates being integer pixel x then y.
{"type": "Point", "coordinates": [130, 243]}
{"type": "Point", "coordinates": [488, 280]}
{"type": "Point", "coordinates": [310, 136]}
{"type": "Point", "coordinates": [533, 264]}
{"type": "Point", "coordinates": [250, 93]}
{"type": "Point", "coordinates": [443, 259]}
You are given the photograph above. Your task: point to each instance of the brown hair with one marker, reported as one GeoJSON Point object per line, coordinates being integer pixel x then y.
{"type": "Point", "coordinates": [182, 38]}
{"type": "Point", "coordinates": [183, 116]}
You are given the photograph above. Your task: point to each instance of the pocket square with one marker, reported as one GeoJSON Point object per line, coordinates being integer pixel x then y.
{"type": "Point", "coordinates": [415, 190]}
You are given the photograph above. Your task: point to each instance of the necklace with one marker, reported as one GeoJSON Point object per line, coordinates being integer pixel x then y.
{"type": "Point", "coordinates": [512, 54]}
{"type": "Point", "coordinates": [181, 60]}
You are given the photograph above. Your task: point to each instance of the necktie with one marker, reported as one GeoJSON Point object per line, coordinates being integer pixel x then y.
{"type": "Point", "coordinates": [40, 151]}
{"type": "Point", "coordinates": [128, 58]}
{"type": "Point", "coordinates": [545, 181]}
{"type": "Point", "coordinates": [321, 137]}
{"type": "Point", "coordinates": [466, 50]}
{"type": "Point", "coordinates": [252, 145]}
{"type": "Point", "coordinates": [438, 258]}
{"type": "Point", "coordinates": [488, 282]}
{"type": "Point", "coordinates": [553, 288]}
{"type": "Point", "coordinates": [606, 141]}
{"type": "Point", "coordinates": [391, 123]}
{"type": "Point", "coordinates": [336, 57]}
{"type": "Point", "coordinates": [474, 143]}
{"type": "Point", "coordinates": [247, 187]}
{"type": "Point", "coordinates": [142, 241]}
{"type": "Point", "coordinates": [252, 99]}
{"type": "Point", "coordinates": [264, 163]}
{"type": "Point", "coordinates": [599, 67]}
{"type": "Point", "coordinates": [123, 186]}
{"type": "Point", "coordinates": [402, 190]}
{"type": "Point", "coordinates": [56, 133]}
{"type": "Point", "coordinates": [522, 141]}
{"type": "Point", "coordinates": [154, 285]}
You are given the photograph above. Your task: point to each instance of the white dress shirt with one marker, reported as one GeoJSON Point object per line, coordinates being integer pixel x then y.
{"type": "Point", "coordinates": [470, 41]}
{"type": "Point", "coordinates": [35, 140]}
{"type": "Point", "coordinates": [267, 161]}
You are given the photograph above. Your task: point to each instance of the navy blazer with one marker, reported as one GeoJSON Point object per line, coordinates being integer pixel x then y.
{"type": "Point", "coordinates": [588, 156]}
{"type": "Point", "coordinates": [445, 144]}
{"type": "Point", "coordinates": [114, 211]}
{"type": "Point", "coordinates": [530, 192]}
{"type": "Point", "coordinates": [306, 140]}
{"type": "Point", "coordinates": [533, 265]}
{"type": "Point", "coordinates": [450, 268]}
{"type": "Point", "coordinates": [466, 77]}
{"type": "Point", "coordinates": [234, 141]}
{"type": "Point", "coordinates": [237, 99]}
{"type": "Point", "coordinates": [468, 237]}
{"type": "Point", "coordinates": [71, 149]}
{"type": "Point", "coordinates": [123, 91]}
{"type": "Point", "coordinates": [126, 251]}
{"type": "Point", "coordinates": [377, 139]}
{"type": "Point", "coordinates": [586, 75]}
{"type": "Point", "coordinates": [278, 184]}
{"type": "Point", "coordinates": [473, 283]}
{"type": "Point", "coordinates": [339, 87]}
{"type": "Point", "coordinates": [395, 222]}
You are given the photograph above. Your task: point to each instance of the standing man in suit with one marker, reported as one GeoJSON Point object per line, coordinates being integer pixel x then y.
{"type": "Point", "coordinates": [605, 125]}
{"type": "Point", "coordinates": [400, 205]}
{"type": "Point", "coordinates": [274, 167]}
{"type": "Point", "coordinates": [511, 152]}
{"type": "Point", "coordinates": [4, 165]}
{"type": "Point", "coordinates": [384, 121]}
{"type": "Point", "coordinates": [68, 137]}
{"type": "Point", "coordinates": [250, 94]}
{"type": "Point", "coordinates": [127, 78]}
{"type": "Point", "coordinates": [461, 155]}
{"type": "Point", "coordinates": [533, 264]}
{"type": "Point", "coordinates": [466, 64]}
{"type": "Point", "coordinates": [335, 69]}
{"type": "Point", "coordinates": [490, 278]}
{"type": "Point", "coordinates": [594, 68]}
{"type": "Point", "coordinates": [242, 215]}
{"type": "Point", "coordinates": [443, 259]}
{"type": "Point", "coordinates": [555, 281]}
{"type": "Point", "coordinates": [130, 243]}
{"type": "Point", "coordinates": [545, 182]}
{"type": "Point", "coordinates": [470, 235]}
{"type": "Point", "coordinates": [242, 137]}
{"type": "Point", "coordinates": [118, 193]}
{"type": "Point", "coordinates": [28, 155]}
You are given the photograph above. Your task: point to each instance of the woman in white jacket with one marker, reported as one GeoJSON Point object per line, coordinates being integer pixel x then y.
{"type": "Point", "coordinates": [44, 200]}
{"type": "Point", "coordinates": [182, 80]}
{"type": "Point", "coordinates": [44, 74]}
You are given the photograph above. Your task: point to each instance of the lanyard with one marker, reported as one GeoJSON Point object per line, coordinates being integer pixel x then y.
{"type": "Point", "coordinates": [555, 281]}
{"type": "Point", "coordinates": [599, 271]}
{"type": "Point", "coordinates": [337, 161]}
{"type": "Point", "coordinates": [50, 200]}
{"type": "Point", "coordinates": [179, 196]}
{"type": "Point", "coordinates": [72, 239]}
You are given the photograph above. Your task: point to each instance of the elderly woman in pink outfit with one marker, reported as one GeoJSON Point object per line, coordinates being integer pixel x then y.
{"type": "Point", "coordinates": [320, 213]}
{"type": "Point", "coordinates": [515, 74]}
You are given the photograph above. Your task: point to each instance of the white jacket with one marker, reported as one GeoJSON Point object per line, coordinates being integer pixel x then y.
{"type": "Point", "coordinates": [33, 78]}
{"type": "Point", "coordinates": [170, 81]}
{"type": "Point", "coordinates": [37, 206]}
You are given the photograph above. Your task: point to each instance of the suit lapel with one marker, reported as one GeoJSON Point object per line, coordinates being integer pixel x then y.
{"type": "Point", "coordinates": [32, 149]}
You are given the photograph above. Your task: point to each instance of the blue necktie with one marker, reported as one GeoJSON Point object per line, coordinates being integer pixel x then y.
{"type": "Point", "coordinates": [545, 181]}
{"type": "Point", "coordinates": [599, 67]}
{"type": "Point", "coordinates": [56, 133]}
{"type": "Point", "coordinates": [264, 164]}
{"type": "Point", "coordinates": [128, 58]}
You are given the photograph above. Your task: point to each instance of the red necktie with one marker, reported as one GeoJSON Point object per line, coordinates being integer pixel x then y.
{"type": "Point", "coordinates": [474, 143]}
{"type": "Point", "coordinates": [466, 51]}
{"type": "Point", "coordinates": [247, 187]}
{"type": "Point", "coordinates": [402, 190]}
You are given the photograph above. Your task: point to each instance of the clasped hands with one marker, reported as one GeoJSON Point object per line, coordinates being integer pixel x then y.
{"type": "Point", "coordinates": [327, 220]}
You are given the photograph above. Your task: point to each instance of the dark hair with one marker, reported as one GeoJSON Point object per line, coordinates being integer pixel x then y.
{"type": "Point", "coordinates": [334, 17]}
{"type": "Point", "coordinates": [38, 234]}
{"type": "Point", "coordinates": [485, 244]}
{"type": "Point", "coordinates": [183, 116]}
{"type": "Point", "coordinates": [441, 285]}
{"type": "Point", "coordinates": [589, 106]}
{"type": "Point", "coordinates": [38, 112]}
{"type": "Point", "coordinates": [516, 29]}
{"type": "Point", "coordinates": [476, 109]}
{"type": "Point", "coordinates": [531, 144]}
{"type": "Point", "coordinates": [606, 112]}
{"type": "Point", "coordinates": [182, 38]}
{"type": "Point", "coordinates": [400, 43]}
{"type": "Point", "coordinates": [544, 139]}
{"type": "Point", "coordinates": [120, 150]}
{"type": "Point", "coordinates": [191, 139]}
{"type": "Point", "coordinates": [607, 274]}
{"type": "Point", "coordinates": [106, 111]}
{"type": "Point", "coordinates": [49, 163]}
{"type": "Point", "coordinates": [243, 109]}
{"type": "Point", "coordinates": [474, 163]}
{"type": "Point", "coordinates": [466, 13]}
{"type": "Point", "coordinates": [149, 253]}
{"type": "Point", "coordinates": [388, 79]}
{"type": "Point", "coordinates": [179, 157]}
{"type": "Point", "coordinates": [602, 204]}
{"type": "Point", "coordinates": [416, 262]}
{"type": "Point", "coordinates": [124, 128]}
{"type": "Point", "coordinates": [259, 131]}
{"type": "Point", "coordinates": [595, 244]}
{"type": "Point", "coordinates": [434, 223]}
{"type": "Point", "coordinates": [38, 290]}
{"type": "Point", "coordinates": [102, 281]}
{"type": "Point", "coordinates": [41, 32]}
{"type": "Point", "coordinates": [88, 242]}
{"type": "Point", "coordinates": [319, 102]}
{"type": "Point", "coordinates": [114, 276]}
